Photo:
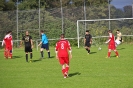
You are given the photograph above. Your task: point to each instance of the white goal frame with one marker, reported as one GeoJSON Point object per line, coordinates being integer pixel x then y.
{"type": "Point", "coordinates": [93, 20]}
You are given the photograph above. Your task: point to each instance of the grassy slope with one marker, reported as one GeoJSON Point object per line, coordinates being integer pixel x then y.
{"type": "Point", "coordinates": [86, 71]}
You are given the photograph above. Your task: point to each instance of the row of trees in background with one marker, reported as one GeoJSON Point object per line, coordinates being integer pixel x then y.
{"type": "Point", "coordinates": [99, 6]}
{"type": "Point", "coordinates": [6, 5]}
{"type": "Point", "coordinates": [50, 17]}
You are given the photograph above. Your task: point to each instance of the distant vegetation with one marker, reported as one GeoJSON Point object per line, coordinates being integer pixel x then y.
{"type": "Point", "coordinates": [51, 19]}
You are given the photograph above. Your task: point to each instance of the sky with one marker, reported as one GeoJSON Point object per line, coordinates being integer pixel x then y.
{"type": "Point", "coordinates": [121, 3]}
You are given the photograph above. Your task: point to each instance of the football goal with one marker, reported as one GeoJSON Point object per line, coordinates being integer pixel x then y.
{"type": "Point", "coordinates": [98, 28]}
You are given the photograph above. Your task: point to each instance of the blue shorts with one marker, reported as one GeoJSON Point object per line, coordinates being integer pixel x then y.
{"type": "Point", "coordinates": [45, 46]}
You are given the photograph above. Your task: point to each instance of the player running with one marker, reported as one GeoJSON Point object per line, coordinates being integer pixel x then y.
{"type": "Point", "coordinates": [119, 38]}
{"type": "Point", "coordinates": [8, 42]}
{"type": "Point", "coordinates": [61, 49]}
{"type": "Point", "coordinates": [87, 41]}
{"type": "Point", "coordinates": [27, 39]}
{"type": "Point", "coordinates": [111, 44]}
{"type": "Point", "coordinates": [45, 45]}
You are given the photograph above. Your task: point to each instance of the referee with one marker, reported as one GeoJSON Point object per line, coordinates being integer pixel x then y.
{"type": "Point", "coordinates": [45, 44]}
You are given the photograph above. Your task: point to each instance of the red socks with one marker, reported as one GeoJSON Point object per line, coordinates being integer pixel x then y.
{"type": "Point", "coordinates": [64, 71]}
{"type": "Point", "coordinates": [109, 54]}
{"type": "Point", "coordinates": [67, 68]}
{"type": "Point", "coordinates": [116, 53]}
{"type": "Point", "coordinates": [7, 54]}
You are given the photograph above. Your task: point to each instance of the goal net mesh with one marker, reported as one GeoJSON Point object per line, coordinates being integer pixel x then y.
{"type": "Point", "coordinates": [98, 29]}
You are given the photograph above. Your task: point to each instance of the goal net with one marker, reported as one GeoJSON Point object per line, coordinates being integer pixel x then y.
{"type": "Point", "coordinates": [98, 29]}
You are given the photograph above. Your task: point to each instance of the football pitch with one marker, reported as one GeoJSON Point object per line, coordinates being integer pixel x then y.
{"type": "Point", "coordinates": [86, 71]}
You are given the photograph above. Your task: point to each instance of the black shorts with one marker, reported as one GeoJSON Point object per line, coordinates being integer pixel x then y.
{"type": "Point", "coordinates": [45, 46]}
{"type": "Point", "coordinates": [28, 49]}
{"type": "Point", "coordinates": [120, 40]}
{"type": "Point", "coordinates": [87, 44]}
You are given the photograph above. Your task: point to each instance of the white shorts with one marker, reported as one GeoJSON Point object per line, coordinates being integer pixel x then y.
{"type": "Point", "coordinates": [117, 42]}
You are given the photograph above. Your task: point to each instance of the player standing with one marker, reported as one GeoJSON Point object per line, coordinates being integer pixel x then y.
{"type": "Point", "coordinates": [87, 41]}
{"type": "Point", "coordinates": [27, 39]}
{"type": "Point", "coordinates": [111, 44]}
{"type": "Point", "coordinates": [61, 49]}
{"type": "Point", "coordinates": [45, 44]}
{"type": "Point", "coordinates": [119, 38]}
{"type": "Point", "coordinates": [7, 41]}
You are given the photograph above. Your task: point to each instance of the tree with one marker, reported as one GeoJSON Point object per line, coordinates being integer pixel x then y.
{"type": "Point", "coordinates": [7, 5]}
{"type": "Point", "coordinates": [2, 5]}
{"type": "Point", "coordinates": [10, 5]}
{"type": "Point", "coordinates": [128, 11]}
{"type": "Point", "coordinates": [31, 4]}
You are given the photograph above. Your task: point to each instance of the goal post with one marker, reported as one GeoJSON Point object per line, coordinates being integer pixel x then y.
{"type": "Point", "coordinates": [79, 22]}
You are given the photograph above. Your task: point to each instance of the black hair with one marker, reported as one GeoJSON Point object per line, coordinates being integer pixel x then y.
{"type": "Point", "coordinates": [62, 35]}
{"type": "Point", "coordinates": [42, 31]}
{"type": "Point", "coordinates": [9, 32]}
{"type": "Point", "coordinates": [109, 31]}
{"type": "Point", "coordinates": [87, 31]}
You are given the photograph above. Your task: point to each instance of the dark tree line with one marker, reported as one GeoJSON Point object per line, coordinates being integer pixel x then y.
{"type": "Point", "coordinates": [34, 4]}
{"type": "Point", "coordinates": [51, 19]}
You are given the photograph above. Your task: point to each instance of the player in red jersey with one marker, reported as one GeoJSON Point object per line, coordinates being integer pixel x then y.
{"type": "Point", "coordinates": [62, 48]}
{"type": "Point", "coordinates": [111, 44]}
{"type": "Point", "coordinates": [7, 41]}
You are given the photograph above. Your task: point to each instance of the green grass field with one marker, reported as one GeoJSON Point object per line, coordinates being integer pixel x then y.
{"type": "Point", "coordinates": [86, 71]}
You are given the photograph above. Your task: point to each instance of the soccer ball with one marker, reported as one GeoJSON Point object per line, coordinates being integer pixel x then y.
{"type": "Point", "coordinates": [99, 48]}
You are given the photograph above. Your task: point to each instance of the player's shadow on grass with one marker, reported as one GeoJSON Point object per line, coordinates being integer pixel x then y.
{"type": "Point", "coordinates": [92, 52]}
{"type": "Point", "coordinates": [36, 60]}
{"type": "Point", "coordinates": [52, 57]}
{"type": "Point", "coordinates": [73, 74]}
{"type": "Point", "coordinates": [16, 57]}
{"type": "Point", "coordinates": [121, 49]}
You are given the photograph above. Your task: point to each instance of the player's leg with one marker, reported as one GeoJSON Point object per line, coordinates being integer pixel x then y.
{"type": "Point", "coordinates": [6, 53]}
{"type": "Point", "coordinates": [109, 53]}
{"type": "Point", "coordinates": [61, 60]}
{"type": "Point", "coordinates": [66, 60]}
{"type": "Point", "coordinates": [88, 50]}
{"type": "Point", "coordinates": [26, 53]}
{"type": "Point", "coordinates": [10, 54]}
{"type": "Point", "coordinates": [41, 51]}
{"type": "Point", "coordinates": [63, 70]}
{"type": "Point", "coordinates": [47, 48]}
{"type": "Point", "coordinates": [31, 55]}
{"type": "Point", "coordinates": [87, 47]}
{"type": "Point", "coordinates": [116, 52]}
{"type": "Point", "coordinates": [67, 64]}
{"type": "Point", "coordinates": [67, 70]}
{"type": "Point", "coordinates": [109, 50]}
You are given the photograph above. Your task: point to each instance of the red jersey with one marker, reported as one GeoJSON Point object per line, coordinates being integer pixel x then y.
{"type": "Point", "coordinates": [8, 40]}
{"type": "Point", "coordinates": [111, 42]}
{"type": "Point", "coordinates": [62, 47]}
{"type": "Point", "coordinates": [111, 39]}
